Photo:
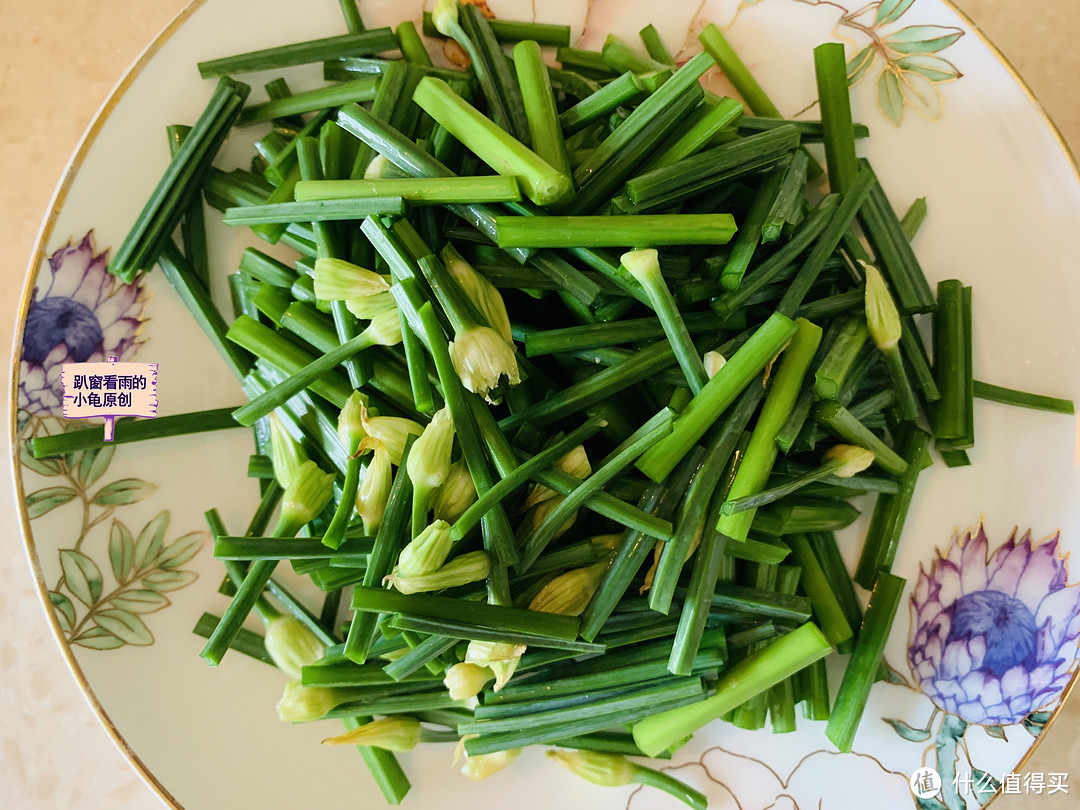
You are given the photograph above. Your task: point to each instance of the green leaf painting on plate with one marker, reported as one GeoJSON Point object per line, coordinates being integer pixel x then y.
{"type": "Point", "coordinates": [143, 568]}
{"type": "Point", "coordinates": [902, 60]}
{"type": "Point", "coordinates": [113, 573]}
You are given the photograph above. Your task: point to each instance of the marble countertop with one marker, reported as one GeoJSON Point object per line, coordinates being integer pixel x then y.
{"type": "Point", "coordinates": [58, 62]}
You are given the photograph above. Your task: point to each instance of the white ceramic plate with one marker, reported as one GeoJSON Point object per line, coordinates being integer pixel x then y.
{"type": "Point", "coordinates": [1003, 197]}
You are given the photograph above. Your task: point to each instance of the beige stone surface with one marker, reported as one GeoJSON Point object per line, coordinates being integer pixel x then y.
{"type": "Point", "coordinates": [58, 61]}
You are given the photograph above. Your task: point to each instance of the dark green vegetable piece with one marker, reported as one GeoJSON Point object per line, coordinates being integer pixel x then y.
{"type": "Point", "coordinates": [1021, 399]}
{"type": "Point", "coordinates": [301, 53]}
{"type": "Point", "coordinates": [862, 668]}
{"type": "Point", "coordinates": [179, 185]}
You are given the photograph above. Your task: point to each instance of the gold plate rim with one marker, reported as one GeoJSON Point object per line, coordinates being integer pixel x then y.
{"type": "Point", "coordinates": [38, 253]}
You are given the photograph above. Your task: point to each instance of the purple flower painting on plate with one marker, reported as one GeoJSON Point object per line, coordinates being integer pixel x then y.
{"type": "Point", "coordinates": [78, 313]}
{"type": "Point", "coordinates": [992, 644]}
{"type": "Point", "coordinates": [111, 572]}
{"type": "Point", "coordinates": [994, 639]}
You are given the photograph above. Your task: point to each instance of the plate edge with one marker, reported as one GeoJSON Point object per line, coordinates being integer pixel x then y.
{"type": "Point", "coordinates": [38, 252]}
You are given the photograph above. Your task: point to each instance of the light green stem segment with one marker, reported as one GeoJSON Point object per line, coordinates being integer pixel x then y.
{"type": "Point", "coordinates": [545, 132]}
{"type": "Point", "coordinates": [862, 667]}
{"type": "Point", "coordinates": [717, 46]}
{"type": "Point", "coordinates": [434, 190]}
{"type": "Point", "coordinates": [643, 230]}
{"type": "Point", "coordinates": [705, 408]}
{"type": "Point", "coordinates": [760, 454]}
{"type": "Point", "coordinates": [753, 675]}
{"type": "Point", "coordinates": [827, 611]}
{"type": "Point", "coordinates": [541, 182]}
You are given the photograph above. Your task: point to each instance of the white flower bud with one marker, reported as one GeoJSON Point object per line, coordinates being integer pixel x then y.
{"type": "Point", "coordinates": [569, 593]}
{"type": "Point", "coordinates": [374, 489]}
{"type": "Point", "coordinates": [339, 280]}
{"type": "Point", "coordinates": [394, 733]}
{"type": "Point", "coordinates": [538, 514]}
{"type": "Point", "coordinates": [471, 567]}
{"type": "Point", "coordinates": [350, 426]}
{"type": "Point", "coordinates": [882, 317]}
{"type": "Point", "coordinates": [306, 496]}
{"type": "Point", "coordinates": [482, 360]}
{"type": "Point", "coordinates": [445, 17]}
{"type": "Point", "coordinates": [286, 454]}
{"type": "Point", "coordinates": [385, 328]}
{"type": "Point", "coordinates": [371, 306]}
{"type": "Point", "coordinates": [607, 542]}
{"type": "Point", "coordinates": [644, 265]}
{"type": "Point", "coordinates": [714, 361]}
{"type": "Point", "coordinates": [575, 463]}
{"type": "Point", "coordinates": [465, 681]}
{"type": "Point", "coordinates": [484, 765]}
{"type": "Point", "coordinates": [456, 494]}
{"type": "Point", "coordinates": [382, 168]}
{"type": "Point", "coordinates": [608, 770]}
{"type": "Point", "coordinates": [483, 294]}
{"type": "Point", "coordinates": [850, 459]}
{"type": "Point", "coordinates": [302, 704]}
{"type": "Point", "coordinates": [427, 552]}
{"type": "Point", "coordinates": [501, 658]}
{"type": "Point", "coordinates": [291, 645]}
{"type": "Point", "coordinates": [429, 460]}
{"type": "Point", "coordinates": [392, 431]}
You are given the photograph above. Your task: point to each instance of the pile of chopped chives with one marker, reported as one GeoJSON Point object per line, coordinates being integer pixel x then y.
{"type": "Point", "coordinates": [565, 394]}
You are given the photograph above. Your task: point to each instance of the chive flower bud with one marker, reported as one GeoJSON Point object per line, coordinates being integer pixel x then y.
{"type": "Point", "coordinates": [607, 542]}
{"type": "Point", "coordinates": [886, 328]}
{"type": "Point", "coordinates": [395, 733]}
{"type": "Point", "coordinates": [482, 766]}
{"type": "Point", "coordinates": [501, 658]}
{"type": "Point", "coordinates": [846, 460]}
{"type": "Point", "coordinates": [644, 265]}
{"type": "Point", "coordinates": [607, 770]}
{"type": "Point", "coordinates": [484, 361]}
{"type": "Point", "coordinates": [456, 494]}
{"type": "Point", "coordinates": [465, 681]}
{"type": "Point", "coordinates": [339, 280]}
{"type": "Point", "coordinates": [350, 425]}
{"type": "Point", "coordinates": [612, 770]}
{"type": "Point", "coordinates": [385, 328]}
{"type": "Point", "coordinates": [575, 463]}
{"type": "Point", "coordinates": [392, 431]}
{"type": "Point", "coordinates": [483, 294]}
{"type": "Point", "coordinates": [429, 460]}
{"type": "Point", "coordinates": [382, 168]}
{"type": "Point", "coordinates": [569, 593]}
{"type": "Point", "coordinates": [445, 17]}
{"type": "Point", "coordinates": [302, 704]}
{"type": "Point", "coordinates": [427, 552]}
{"type": "Point", "coordinates": [370, 306]}
{"type": "Point", "coordinates": [394, 655]}
{"type": "Point", "coordinates": [882, 317]}
{"type": "Point", "coordinates": [306, 496]}
{"type": "Point", "coordinates": [713, 361]}
{"type": "Point", "coordinates": [471, 567]}
{"type": "Point", "coordinates": [374, 489]}
{"type": "Point", "coordinates": [291, 645]}
{"type": "Point", "coordinates": [286, 454]}
{"type": "Point", "coordinates": [538, 514]}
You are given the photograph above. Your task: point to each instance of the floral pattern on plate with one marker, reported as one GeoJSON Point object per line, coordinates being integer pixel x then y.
{"type": "Point", "coordinates": [81, 313]}
{"type": "Point", "coordinates": [992, 644]}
